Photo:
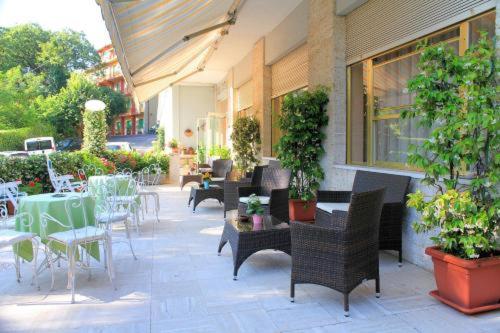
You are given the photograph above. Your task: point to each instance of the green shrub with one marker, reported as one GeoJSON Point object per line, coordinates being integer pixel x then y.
{"type": "Point", "coordinates": [223, 152]}
{"type": "Point", "coordinates": [246, 142]}
{"type": "Point", "coordinates": [35, 166]}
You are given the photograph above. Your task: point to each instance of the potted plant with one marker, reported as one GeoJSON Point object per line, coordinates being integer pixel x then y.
{"type": "Point", "coordinates": [255, 209]}
{"type": "Point", "coordinates": [174, 146]}
{"type": "Point", "coordinates": [303, 115]}
{"type": "Point", "coordinates": [206, 180]}
{"type": "Point", "coordinates": [457, 94]}
{"type": "Point", "coordinates": [246, 143]}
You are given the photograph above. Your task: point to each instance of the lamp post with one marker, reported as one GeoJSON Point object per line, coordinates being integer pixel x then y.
{"type": "Point", "coordinates": [94, 127]}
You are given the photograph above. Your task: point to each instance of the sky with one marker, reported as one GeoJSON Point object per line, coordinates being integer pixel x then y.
{"type": "Point", "coordinates": [78, 15]}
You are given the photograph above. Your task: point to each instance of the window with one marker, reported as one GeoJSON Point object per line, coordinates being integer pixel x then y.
{"type": "Point", "coordinates": [377, 93]}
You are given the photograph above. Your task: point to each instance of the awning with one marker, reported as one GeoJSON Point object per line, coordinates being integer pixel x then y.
{"type": "Point", "coordinates": [161, 42]}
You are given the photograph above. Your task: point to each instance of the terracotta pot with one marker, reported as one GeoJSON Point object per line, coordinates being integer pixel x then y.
{"type": "Point", "coordinates": [10, 208]}
{"type": "Point", "coordinates": [469, 286]}
{"type": "Point", "coordinates": [301, 210]}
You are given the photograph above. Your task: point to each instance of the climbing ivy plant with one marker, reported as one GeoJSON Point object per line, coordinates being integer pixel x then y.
{"type": "Point", "coordinates": [456, 96]}
{"type": "Point", "coordinates": [303, 116]}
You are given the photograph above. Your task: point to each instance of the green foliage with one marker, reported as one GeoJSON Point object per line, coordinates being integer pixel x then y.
{"type": "Point", "coordinates": [94, 132]}
{"type": "Point", "coordinates": [202, 154]}
{"type": "Point", "coordinates": [246, 142]}
{"type": "Point", "coordinates": [65, 109]}
{"type": "Point", "coordinates": [13, 139]}
{"type": "Point", "coordinates": [53, 54]}
{"type": "Point", "coordinates": [17, 94]}
{"type": "Point", "coordinates": [254, 206]}
{"type": "Point", "coordinates": [456, 96]}
{"type": "Point", "coordinates": [173, 143]}
{"type": "Point", "coordinates": [303, 115]}
{"type": "Point", "coordinates": [160, 139]}
{"type": "Point", "coordinates": [34, 167]}
{"type": "Point", "coordinates": [223, 153]}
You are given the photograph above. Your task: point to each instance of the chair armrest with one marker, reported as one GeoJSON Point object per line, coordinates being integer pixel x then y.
{"type": "Point", "coordinates": [334, 196]}
{"type": "Point", "coordinates": [65, 177]}
{"type": "Point", "coordinates": [246, 191]}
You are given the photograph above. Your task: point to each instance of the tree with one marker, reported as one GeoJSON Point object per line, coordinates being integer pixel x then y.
{"type": "Point", "coordinates": [20, 45]}
{"type": "Point", "coordinates": [54, 54]}
{"type": "Point", "coordinates": [18, 93]}
{"type": "Point", "coordinates": [246, 142]}
{"type": "Point", "coordinates": [303, 116]}
{"type": "Point", "coordinates": [64, 109]}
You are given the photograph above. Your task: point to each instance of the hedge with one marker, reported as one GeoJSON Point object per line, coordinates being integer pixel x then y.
{"type": "Point", "coordinates": [35, 166]}
{"type": "Point", "coordinates": [13, 139]}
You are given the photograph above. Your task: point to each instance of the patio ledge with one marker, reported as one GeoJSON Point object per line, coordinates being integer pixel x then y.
{"type": "Point", "coordinates": [412, 174]}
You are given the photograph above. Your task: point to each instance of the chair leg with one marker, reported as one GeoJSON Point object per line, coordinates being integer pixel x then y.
{"type": "Point", "coordinates": [18, 267]}
{"type": "Point", "coordinates": [34, 242]}
{"type": "Point", "coordinates": [400, 258]}
{"type": "Point", "coordinates": [377, 287]}
{"type": "Point", "coordinates": [292, 292]}
{"type": "Point", "coordinates": [346, 304]}
{"type": "Point", "coordinates": [157, 207]}
{"type": "Point", "coordinates": [129, 240]}
{"type": "Point", "coordinates": [48, 255]}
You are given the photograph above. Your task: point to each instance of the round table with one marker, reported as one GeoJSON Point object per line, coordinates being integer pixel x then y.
{"type": "Point", "coordinates": [55, 206]}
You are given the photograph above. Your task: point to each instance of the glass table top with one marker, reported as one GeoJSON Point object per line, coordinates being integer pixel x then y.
{"type": "Point", "coordinates": [246, 224]}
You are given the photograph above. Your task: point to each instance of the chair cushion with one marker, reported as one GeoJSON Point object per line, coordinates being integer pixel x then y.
{"type": "Point", "coordinates": [125, 198]}
{"type": "Point", "coordinates": [218, 179]}
{"type": "Point", "coordinates": [10, 237]}
{"type": "Point", "coordinates": [111, 218]}
{"type": "Point", "coordinates": [86, 234]}
{"type": "Point", "coordinates": [203, 170]}
{"type": "Point", "coordinates": [263, 200]}
{"type": "Point", "coordinates": [331, 206]}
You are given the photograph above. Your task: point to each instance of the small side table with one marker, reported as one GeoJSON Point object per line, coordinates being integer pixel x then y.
{"type": "Point", "coordinates": [185, 179]}
{"type": "Point", "coordinates": [198, 194]}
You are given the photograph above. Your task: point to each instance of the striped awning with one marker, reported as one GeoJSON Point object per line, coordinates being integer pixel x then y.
{"type": "Point", "coordinates": [161, 42]}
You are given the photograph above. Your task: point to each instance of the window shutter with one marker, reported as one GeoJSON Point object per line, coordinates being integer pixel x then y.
{"type": "Point", "coordinates": [379, 25]}
{"type": "Point", "coordinates": [291, 72]}
{"type": "Point", "coordinates": [245, 95]}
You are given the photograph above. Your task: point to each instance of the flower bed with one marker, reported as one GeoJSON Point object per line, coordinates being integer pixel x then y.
{"type": "Point", "coordinates": [34, 168]}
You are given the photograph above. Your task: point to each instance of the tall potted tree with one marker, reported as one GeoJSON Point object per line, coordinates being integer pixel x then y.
{"type": "Point", "coordinates": [246, 143]}
{"type": "Point", "coordinates": [303, 115]}
{"type": "Point", "coordinates": [457, 96]}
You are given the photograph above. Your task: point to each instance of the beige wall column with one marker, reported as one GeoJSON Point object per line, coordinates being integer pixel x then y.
{"type": "Point", "coordinates": [327, 66]}
{"type": "Point", "coordinates": [261, 80]}
{"type": "Point", "coordinates": [231, 107]}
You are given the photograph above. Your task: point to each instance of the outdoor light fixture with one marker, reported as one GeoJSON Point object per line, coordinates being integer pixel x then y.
{"type": "Point", "coordinates": [94, 105]}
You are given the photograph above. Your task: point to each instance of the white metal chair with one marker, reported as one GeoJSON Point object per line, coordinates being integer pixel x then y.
{"type": "Point", "coordinates": [146, 179]}
{"type": "Point", "coordinates": [74, 239]}
{"type": "Point", "coordinates": [110, 211]}
{"type": "Point", "coordinates": [9, 193]}
{"type": "Point", "coordinates": [61, 183]}
{"type": "Point", "coordinates": [12, 238]}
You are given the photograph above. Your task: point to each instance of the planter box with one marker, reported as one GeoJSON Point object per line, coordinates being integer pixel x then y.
{"type": "Point", "coordinates": [469, 286]}
{"type": "Point", "coordinates": [300, 210]}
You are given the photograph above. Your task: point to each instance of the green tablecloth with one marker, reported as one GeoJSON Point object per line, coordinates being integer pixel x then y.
{"type": "Point", "coordinates": [36, 205]}
{"type": "Point", "coordinates": [122, 186]}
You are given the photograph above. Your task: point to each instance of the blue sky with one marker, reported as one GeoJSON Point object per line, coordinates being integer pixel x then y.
{"type": "Point", "coordinates": [78, 15]}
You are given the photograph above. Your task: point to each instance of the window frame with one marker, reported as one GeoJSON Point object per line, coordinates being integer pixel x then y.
{"type": "Point", "coordinates": [463, 44]}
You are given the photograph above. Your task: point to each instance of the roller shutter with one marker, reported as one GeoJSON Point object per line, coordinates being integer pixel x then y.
{"type": "Point", "coordinates": [379, 25]}
{"type": "Point", "coordinates": [291, 72]}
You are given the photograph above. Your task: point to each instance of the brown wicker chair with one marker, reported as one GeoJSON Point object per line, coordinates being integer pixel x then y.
{"type": "Point", "coordinates": [231, 197]}
{"type": "Point", "coordinates": [274, 164]}
{"type": "Point", "coordinates": [391, 221]}
{"type": "Point", "coordinates": [342, 253]}
{"type": "Point", "coordinates": [274, 188]}
{"type": "Point", "coordinates": [220, 171]}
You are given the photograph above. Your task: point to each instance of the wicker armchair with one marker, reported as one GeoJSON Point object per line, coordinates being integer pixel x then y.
{"type": "Point", "coordinates": [391, 221]}
{"type": "Point", "coordinates": [220, 171]}
{"type": "Point", "coordinates": [274, 164]}
{"type": "Point", "coordinates": [341, 253]}
{"type": "Point", "coordinates": [273, 192]}
{"type": "Point", "coordinates": [231, 197]}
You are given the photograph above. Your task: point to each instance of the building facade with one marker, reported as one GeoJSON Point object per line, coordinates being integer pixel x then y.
{"type": "Point", "coordinates": [132, 122]}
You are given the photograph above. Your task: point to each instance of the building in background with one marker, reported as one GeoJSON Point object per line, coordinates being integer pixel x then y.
{"type": "Point", "coordinates": [110, 75]}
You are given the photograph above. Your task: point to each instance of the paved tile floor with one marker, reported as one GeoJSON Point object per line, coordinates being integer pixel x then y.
{"type": "Point", "coordinates": [179, 284]}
